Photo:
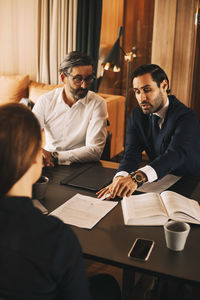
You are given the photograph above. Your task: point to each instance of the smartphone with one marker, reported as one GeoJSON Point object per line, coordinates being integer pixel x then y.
{"type": "Point", "coordinates": [141, 249]}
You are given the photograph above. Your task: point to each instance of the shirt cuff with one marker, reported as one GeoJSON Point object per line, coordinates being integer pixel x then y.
{"type": "Point", "coordinates": [121, 173]}
{"type": "Point", "coordinates": [150, 173]}
{"type": "Point", "coordinates": [62, 160]}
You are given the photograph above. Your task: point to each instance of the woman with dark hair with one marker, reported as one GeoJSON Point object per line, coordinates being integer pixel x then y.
{"type": "Point", "coordinates": [40, 257]}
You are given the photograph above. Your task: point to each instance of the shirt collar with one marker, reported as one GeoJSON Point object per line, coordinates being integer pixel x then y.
{"type": "Point", "coordinates": [86, 99]}
{"type": "Point", "coordinates": [82, 100]}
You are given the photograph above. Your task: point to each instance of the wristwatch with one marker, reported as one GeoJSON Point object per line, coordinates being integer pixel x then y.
{"type": "Point", "coordinates": [139, 177]}
{"type": "Point", "coordinates": [55, 156]}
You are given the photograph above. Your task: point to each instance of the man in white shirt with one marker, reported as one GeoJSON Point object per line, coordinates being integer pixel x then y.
{"type": "Point", "coordinates": [74, 119]}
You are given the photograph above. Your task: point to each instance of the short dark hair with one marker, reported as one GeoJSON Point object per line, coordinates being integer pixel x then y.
{"type": "Point", "coordinates": [75, 59]}
{"type": "Point", "coordinates": [157, 73]}
{"type": "Point", "coordinates": [20, 141]}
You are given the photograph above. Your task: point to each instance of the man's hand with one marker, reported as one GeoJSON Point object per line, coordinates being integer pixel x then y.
{"type": "Point", "coordinates": [47, 158]}
{"type": "Point", "coordinates": [121, 187]}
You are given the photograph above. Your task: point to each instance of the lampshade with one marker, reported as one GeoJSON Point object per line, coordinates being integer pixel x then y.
{"type": "Point", "coordinates": [112, 60]}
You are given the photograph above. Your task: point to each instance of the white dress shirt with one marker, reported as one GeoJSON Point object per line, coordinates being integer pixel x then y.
{"type": "Point", "coordinates": [77, 133]}
{"type": "Point", "coordinates": [148, 170]}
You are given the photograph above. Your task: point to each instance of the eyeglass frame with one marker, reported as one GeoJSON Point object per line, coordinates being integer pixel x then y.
{"type": "Point", "coordinates": [87, 80]}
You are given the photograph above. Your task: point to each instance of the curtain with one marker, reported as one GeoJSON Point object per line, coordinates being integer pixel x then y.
{"type": "Point", "coordinates": [56, 21]}
{"type": "Point", "coordinates": [89, 28]}
{"type": "Point", "coordinates": [18, 37]}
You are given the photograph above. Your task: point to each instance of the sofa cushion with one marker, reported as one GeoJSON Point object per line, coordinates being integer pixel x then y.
{"type": "Point", "coordinates": [13, 87]}
{"type": "Point", "coordinates": [36, 89]}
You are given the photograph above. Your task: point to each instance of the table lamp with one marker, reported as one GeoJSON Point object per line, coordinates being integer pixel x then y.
{"type": "Point", "coordinates": [112, 62]}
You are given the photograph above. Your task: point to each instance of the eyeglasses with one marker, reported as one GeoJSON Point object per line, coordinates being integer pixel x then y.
{"type": "Point", "coordinates": [78, 79]}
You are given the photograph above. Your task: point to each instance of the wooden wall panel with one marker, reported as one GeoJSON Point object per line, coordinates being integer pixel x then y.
{"type": "Point", "coordinates": [174, 43]}
{"type": "Point", "coordinates": [112, 19]}
{"type": "Point", "coordinates": [164, 34]}
{"type": "Point", "coordinates": [137, 19]}
{"type": "Point", "coordinates": [195, 84]}
{"type": "Point", "coordinates": [184, 51]}
{"type": "Point", "coordinates": [138, 24]}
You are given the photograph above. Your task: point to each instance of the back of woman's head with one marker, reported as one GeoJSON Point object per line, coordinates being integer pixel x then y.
{"type": "Point", "coordinates": [20, 140]}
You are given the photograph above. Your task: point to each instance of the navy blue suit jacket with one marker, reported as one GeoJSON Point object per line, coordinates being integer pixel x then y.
{"type": "Point", "coordinates": [179, 142]}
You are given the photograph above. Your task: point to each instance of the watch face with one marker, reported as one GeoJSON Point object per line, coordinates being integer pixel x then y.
{"type": "Point", "coordinates": [138, 177]}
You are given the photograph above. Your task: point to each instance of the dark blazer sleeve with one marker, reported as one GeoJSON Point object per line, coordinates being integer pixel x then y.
{"type": "Point", "coordinates": [135, 141]}
{"type": "Point", "coordinates": [180, 147]}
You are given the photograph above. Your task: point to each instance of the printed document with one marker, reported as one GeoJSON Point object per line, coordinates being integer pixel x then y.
{"type": "Point", "coordinates": [83, 211]}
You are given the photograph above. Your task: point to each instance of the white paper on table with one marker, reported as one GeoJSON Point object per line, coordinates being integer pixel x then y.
{"type": "Point", "coordinates": [160, 185]}
{"type": "Point", "coordinates": [83, 211]}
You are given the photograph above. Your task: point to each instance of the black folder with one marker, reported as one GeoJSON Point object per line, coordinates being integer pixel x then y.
{"type": "Point", "coordinates": [92, 179]}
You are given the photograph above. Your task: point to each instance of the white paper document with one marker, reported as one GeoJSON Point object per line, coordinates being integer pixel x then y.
{"type": "Point", "coordinates": [83, 211]}
{"type": "Point", "coordinates": [160, 185]}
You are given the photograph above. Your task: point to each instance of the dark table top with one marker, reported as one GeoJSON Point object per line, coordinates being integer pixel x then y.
{"type": "Point", "coordinates": [110, 240]}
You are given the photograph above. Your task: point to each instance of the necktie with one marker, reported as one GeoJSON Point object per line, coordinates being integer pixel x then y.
{"type": "Point", "coordinates": [155, 126]}
{"type": "Point", "coordinates": [155, 131]}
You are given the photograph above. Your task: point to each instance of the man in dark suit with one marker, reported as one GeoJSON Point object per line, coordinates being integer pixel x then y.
{"type": "Point", "coordinates": [164, 127]}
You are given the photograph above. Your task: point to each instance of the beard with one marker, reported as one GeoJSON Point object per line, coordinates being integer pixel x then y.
{"type": "Point", "coordinates": [149, 108]}
{"type": "Point", "coordinates": [78, 93]}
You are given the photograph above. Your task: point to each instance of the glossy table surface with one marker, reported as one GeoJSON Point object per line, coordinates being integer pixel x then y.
{"type": "Point", "coordinates": [110, 240]}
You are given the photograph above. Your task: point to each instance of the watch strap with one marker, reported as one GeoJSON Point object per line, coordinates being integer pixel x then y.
{"type": "Point", "coordinates": [55, 157]}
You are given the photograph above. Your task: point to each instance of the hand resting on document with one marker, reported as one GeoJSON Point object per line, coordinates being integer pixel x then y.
{"type": "Point", "coordinates": [121, 187]}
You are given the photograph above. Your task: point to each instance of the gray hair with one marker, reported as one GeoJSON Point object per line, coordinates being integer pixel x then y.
{"type": "Point", "coordinates": [74, 59]}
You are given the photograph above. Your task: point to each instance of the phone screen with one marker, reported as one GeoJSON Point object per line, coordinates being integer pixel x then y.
{"type": "Point", "coordinates": [141, 249]}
